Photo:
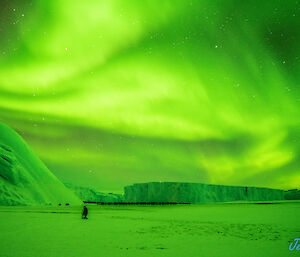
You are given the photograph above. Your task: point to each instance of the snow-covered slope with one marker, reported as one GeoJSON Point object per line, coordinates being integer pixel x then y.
{"type": "Point", "coordinates": [24, 179]}
{"type": "Point", "coordinates": [175, 192]}
{"type": "Point", "coordinates": [91, 195]}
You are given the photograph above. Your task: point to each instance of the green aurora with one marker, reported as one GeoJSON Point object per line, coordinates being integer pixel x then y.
{"type": "Point", "coordinates": [110, 93]}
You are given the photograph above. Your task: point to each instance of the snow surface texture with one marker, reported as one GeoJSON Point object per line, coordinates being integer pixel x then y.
{"type": "Point", "coordinates": [204, 230]}
{"type": "Point", "coordinates": [24, 179]}
{"type": "Point", "coordinates": [175, 192]}
{"type": "Point", "coordinates": [91, 195]}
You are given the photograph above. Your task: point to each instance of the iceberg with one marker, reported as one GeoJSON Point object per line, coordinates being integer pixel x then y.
{"type": "Point", "coordinates": [177, 192]}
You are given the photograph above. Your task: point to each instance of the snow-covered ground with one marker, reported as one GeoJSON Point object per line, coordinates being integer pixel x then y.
{"type": "Point", "coordinates": [237, 229]}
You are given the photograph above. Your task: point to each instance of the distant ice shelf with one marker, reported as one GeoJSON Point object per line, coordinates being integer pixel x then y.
{"type": "Point", "coordinates": [293, 194]}
{"type": "Point", "coordinates": [177, 192]}
{"type": "Point", "coordinates": [88, 194]}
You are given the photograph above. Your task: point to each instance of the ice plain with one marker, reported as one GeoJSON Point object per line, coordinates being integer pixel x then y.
{"type": "Point", "coordinates": [209, 230]}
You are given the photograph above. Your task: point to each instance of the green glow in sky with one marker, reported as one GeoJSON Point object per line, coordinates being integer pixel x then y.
{"type": "Point", "coordinates": [109, 93]}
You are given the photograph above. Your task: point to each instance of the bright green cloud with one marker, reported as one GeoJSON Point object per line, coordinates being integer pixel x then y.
{"type": "Point", "coordinates": [201, 91]}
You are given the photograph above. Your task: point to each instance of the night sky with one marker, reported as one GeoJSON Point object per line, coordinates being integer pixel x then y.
{"type": "Point", "coordinates": [110, 93]}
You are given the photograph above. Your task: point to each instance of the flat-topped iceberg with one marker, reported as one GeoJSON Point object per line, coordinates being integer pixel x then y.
{"type": "Point", "coordinates": [177, 192]}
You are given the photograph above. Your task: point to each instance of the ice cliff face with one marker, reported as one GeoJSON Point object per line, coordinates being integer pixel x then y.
{"type": "Point", "coordinates": [175, 192]}
{"type": "Point", "coordinates": [91, 195]}
{"type": "Point", "coordinates": [24, 179]}
{"type": "Point", "coordinates": [293, 194]}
